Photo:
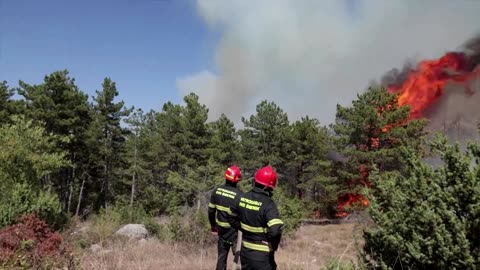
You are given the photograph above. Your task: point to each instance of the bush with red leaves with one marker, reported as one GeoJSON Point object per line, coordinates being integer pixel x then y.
{"type": "Point", "coordinates": [31, 243]}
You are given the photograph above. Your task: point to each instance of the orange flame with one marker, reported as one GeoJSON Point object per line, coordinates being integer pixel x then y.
{"type": "Point", "coordinates": [420, 90]}
{"type": "Point", "coordinates": [349, 200]}
{"type": "Point", "coordinates": [426, 84]}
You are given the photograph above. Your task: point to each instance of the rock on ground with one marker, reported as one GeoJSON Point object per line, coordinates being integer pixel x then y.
{"type": "Point", "coordinates": [95, 248]}
{"type": "Point", "coordinates": [133, 231]}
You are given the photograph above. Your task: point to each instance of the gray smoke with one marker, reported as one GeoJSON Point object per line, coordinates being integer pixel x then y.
{"type": "Point", "coordinates": [472, 50]}
{"type": "Point", "coordinates": [307, 56]}
{"type": "Point", "coordinates": [456, 113]}
{"type": "Point", "coordinates": [398, 76]}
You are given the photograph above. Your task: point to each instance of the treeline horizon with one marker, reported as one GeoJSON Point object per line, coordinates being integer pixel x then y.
{"type": "Point", "coordinates": [158, 160]}
{"type": "Point", "coordinates": [161, 160]}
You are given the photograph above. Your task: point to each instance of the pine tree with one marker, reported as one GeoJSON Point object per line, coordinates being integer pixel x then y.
{"type": "Point", "coordinates": [139, 185]}
{"type": "Point", "coordinates": [64, 109]}
{"type": "Point", "coordinates": [138, 173]}
{"type": "Point", "coordinates": [310, 144]}
{"type": "Point", "coordinates": [224, 145]}
{"type": "Point", "coordinates": [197, 132]}
{"type": "Point", "coordinates": [370, 132]}
{"type": "Point", "coordinates": [170, 141]}
{"type": "Point", "coordinates": [181, 151]}
{"type": "Point", "coordinates": [5, 102]}
{"type": "Point", "coordinates": [264, 137]}
{"type": "Point", "coordinates": [110, 137]}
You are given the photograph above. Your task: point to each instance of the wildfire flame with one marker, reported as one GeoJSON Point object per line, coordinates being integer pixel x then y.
{"type": "Point", "coordinates": [426, 83]}
{"type": "Point", "coordinates": [350, 200]}
{"type": "Point", "coordinates": [422, 87]}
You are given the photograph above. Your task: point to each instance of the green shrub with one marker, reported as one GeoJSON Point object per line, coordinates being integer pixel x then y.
{"type": "Point", "coordinates": [104, 224]}
{"type": "Point", "coordinates": [107, 221]}
{"type": "Point", "coordinates": [29, 154]}
{"type": "Point", "coordinates": [337, 264]}
{"type": "Point", "coordinates": [199, 228]}
{"type": "Point", "coordinates": [154, 228]}
{"type": "Point", "coordinates": [428, 218]}
{"type": "Point", "coordinates": [291, 210]}
{"type": "Point", "coordinates": [22, 199]}
{"type": "Point", "coordinates": [192, 228]}
{"type": "Point", "coordinates": [174, 228]}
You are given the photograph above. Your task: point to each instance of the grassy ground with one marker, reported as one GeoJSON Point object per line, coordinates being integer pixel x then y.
{"type": "Point", "coordinates": [312, 247]}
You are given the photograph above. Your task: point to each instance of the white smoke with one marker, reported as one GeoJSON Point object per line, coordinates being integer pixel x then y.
{"type": "Point", "coordinates": [309, 55]}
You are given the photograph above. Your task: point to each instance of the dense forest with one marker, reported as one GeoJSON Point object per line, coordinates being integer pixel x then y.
{"type": "Point", "coordinates": [65, 154]}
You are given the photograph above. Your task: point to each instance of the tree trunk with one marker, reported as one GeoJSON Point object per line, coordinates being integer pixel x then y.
{"type": "Point", "coordinates": [64, 188]}
{"type": "Point", "coordinates": [299, 181]}
{"type": "Point", "coordinates": [132, 194]}
{"type": "Point", "coordinates": [49, 184]}
{"type": "Point", "coordinates": [72, 182]}
{"type": "Point", "coordinates": [70, 197]}
{"type": "Point", "coordinates": [80, 198]}
{"type": "Point", "coordinates": [105, 169]}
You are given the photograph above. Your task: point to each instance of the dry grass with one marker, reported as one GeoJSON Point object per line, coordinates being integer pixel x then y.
{"type": "Point", "coordinates": [149, 254]}
{"type": "Point", "coordinates": [314, 246]}
{"type": "Point", "coordinates": [311, 248]}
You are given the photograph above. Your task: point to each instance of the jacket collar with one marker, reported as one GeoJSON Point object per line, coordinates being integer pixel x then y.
{"type": "Point", "coordinates": [230, 184]}
{"type": "Point", "coordinates": [261, 191]}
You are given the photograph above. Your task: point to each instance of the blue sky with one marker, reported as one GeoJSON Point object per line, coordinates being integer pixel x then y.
{"type": "Point", "coordinates": [143, 45]}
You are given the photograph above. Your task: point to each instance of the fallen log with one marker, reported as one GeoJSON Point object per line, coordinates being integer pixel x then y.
{"type": "Point", "coordinates": [323, 221]}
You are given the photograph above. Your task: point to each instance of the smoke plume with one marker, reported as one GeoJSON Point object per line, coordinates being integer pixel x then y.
{"type": "Point", "coordinates": [307, 56]}
{"type": "Point", "coordinates": [470, 49]}
{"type": "Point", "coordinates": [457, 114]}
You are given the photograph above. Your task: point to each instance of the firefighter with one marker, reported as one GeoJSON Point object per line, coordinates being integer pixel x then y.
{"type": "Point", "coordinates": [221, 200]}
{"type": "Point", "coordinates": [256, 215]}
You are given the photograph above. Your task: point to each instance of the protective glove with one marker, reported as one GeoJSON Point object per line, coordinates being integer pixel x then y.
{"type": "Point", "coordinates": [214, 230]}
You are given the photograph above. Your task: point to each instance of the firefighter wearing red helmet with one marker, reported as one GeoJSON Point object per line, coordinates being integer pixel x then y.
{"type": "Point", "coordinates": [256, 215]}
{"type": "Point", "coordinates": [221, 200]}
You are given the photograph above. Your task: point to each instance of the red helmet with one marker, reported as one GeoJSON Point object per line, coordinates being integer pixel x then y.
{"type": "Point", "coordinates": [233, 174]}
{"type": "Point", "coordinates": [266, 176]}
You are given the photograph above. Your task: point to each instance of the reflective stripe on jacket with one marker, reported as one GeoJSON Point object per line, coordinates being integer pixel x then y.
{"type": "Point", "coordinates": [221, 200]}
{"type": "Point", "coordinates": [256, 215]}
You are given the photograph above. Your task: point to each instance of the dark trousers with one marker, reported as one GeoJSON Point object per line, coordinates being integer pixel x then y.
{"type": "Point", "coordinates": [224, 246]}
{"type": "Point", "coordinates": [257, 260]}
